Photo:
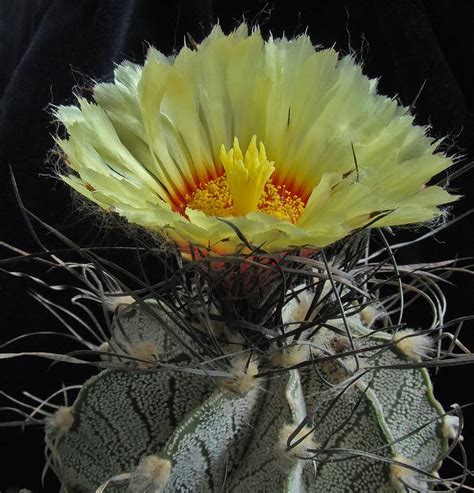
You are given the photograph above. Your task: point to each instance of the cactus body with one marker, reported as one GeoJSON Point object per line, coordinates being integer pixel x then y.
{"type": "Point", "coordinates": [214, 440]}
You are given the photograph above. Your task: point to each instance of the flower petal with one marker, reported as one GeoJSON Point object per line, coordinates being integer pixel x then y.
{"type": "Point", "coordinates": [347, 153]}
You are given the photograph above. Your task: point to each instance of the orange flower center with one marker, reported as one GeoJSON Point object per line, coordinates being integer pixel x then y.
{"type": "Point", "coordinates": [214, 198]}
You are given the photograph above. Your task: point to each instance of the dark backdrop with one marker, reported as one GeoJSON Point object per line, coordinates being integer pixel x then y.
{"type": "Point", "coordinates": [48, 47]}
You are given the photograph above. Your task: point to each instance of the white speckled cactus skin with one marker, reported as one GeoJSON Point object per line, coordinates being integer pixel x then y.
{"type": "Point", "coordinates": [327, 427]}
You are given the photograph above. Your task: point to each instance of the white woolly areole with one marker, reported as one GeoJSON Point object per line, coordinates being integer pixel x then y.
{"type": "Point", "coordinates": [450, 427]}
{"type": "Point", "coordinates": [291, 355]}
{"type": "Point", "coordinates": [302, 449]}
{"type": "Point", "coordinates": [292, 315]}
{"type": "Point", "coordinates": [403, 476]}
{"type": "Point", "coordinates": [414, 347]}
{"type": "Point", "coordinates": [340, 369]}
{"type": "Point", "coordinates": [61, 421]}
{"type": "Point", "coordinates": [370, 314]}
{"type": "Point", "coordinates": [295, 311]}
{"type": "Point", "coordinates": [243, 376]}
{"type": "Point", "coordinates": [150, 476]}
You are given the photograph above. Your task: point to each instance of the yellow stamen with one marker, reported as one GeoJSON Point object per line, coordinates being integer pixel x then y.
{"type": "Point", "coordinates": [246, 187]}
{"type": "Point", "coordinates": [278, 201]}
{"type": "Point", "coordinates": [246, 176]}
{"type": "Point", "coordinates": [214, 199]}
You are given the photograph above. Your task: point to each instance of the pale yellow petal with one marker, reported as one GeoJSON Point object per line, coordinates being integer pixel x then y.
{"type": "Point", "coordinates": [241, 112]}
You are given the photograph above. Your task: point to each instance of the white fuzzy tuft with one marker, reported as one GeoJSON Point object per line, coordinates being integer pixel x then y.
{"type": "Point", "coordinates": [61, 421]}
{"type": "Point", "coordinates": [450, 427]}
{"type": "Point", "coordinates": [150, 476]}
{"type": "Point", "coordinates": [243, 376]}
{"type": "Point", "coordinates": [295, 311]}
{"type": "Point", "coordinates": [414, 347]}
{"type": "Point", "coordinates": [370, 314]}
{"type": "Point", "coordinates": [291, 355]}
{"type": "Point", "coordinates": [340, 369]}
{"type": "Point", "coordinates": [404, 477]}
{"type": "Point", "coordinates": [302, 449]}
{"type": "Point", "coordinates": [338, 373]}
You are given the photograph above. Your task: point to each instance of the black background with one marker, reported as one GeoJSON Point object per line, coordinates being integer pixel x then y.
{"type": "Point", "coordinates": [48, 47]}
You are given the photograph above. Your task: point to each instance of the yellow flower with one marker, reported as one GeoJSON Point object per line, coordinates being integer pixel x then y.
{"type": "Point", "coordinates": [291, 145]}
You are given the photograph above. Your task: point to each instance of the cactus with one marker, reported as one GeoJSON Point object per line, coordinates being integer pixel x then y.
{"type": "Point", "coordinates": [251, 388]}
{"type": "Point", "coordinates": [324, 427]}
{"type": "Point", "coordinates": [268, 359]}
